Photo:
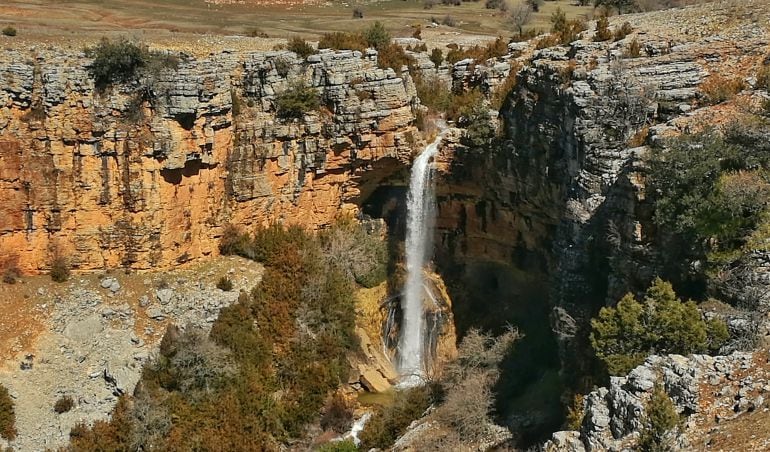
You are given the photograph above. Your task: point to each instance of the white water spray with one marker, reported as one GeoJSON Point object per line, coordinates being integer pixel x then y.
{"type": "Point", "coordinates": [420, 215]}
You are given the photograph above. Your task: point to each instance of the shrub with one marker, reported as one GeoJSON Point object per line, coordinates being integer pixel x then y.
{"type": "Point", "coordinates": [60, 269]}
{"type": "Point", "coordinates": [623, 31]}
{"type": "Point", "coordinates": [433, 93]}
{"type": "Point", "coordinates": [225, 284]}
{"type": "Point", "coordinates": [502, 91]}
{"type": "Point", "coordinates": [717, 89]}
{"type": "Point", "coordinates": [711, 190]}
{"type": "Point", "coordinates": [361, 255]}
{"type": "Point", "coordinates": [11, 275]}
{"type": "Point", "coordinates": [449, 21]}
{"type": "Point", "coordinates": [634, 49]}
{"type": "Point", "coordinates": [358, 13]}
{"type": "Point", "coordinates": [337, 414]}
{"type": "Point", "coordinates": [282, 66]}
{"type": "Point", "coordinates": [300, 47]}
{"type": "Point", "coordinates": [342, 41]}
{"type": "Point", "coordinates": [575, 413]}
{"type": "Point", "coordinates": [660, 418]}
{"type": "Point", "coordinates": [296, 101]}
{"type": "Point", "coordinates": [624, 335]}
{"type": "Point", "coordinates": [388, 423]}
{"type": "Point", "coordinates": [468, 381]}
{"type": "Point", "coordinates": [763, 77]}
{"type": "Point", "coordinates": [603, 32]}
{"type": "Point", "coordinates": [393, 56]}
{"type": "Point", "coordinates": [339, 446]}
{"type": "Point", "coordinates": [417, 33]}
{"type": "Point", "coordinates": [119, 61]}
{"type": "Point", "coordinates": [566, 31]}
{"type": "Point", "coordinates": [377, 36]}
{"type": "Point", "coordinates": [478, 133]}
{"type": "Point", "coordinates": [233, 241]}
{"type": "Point", "coordinates": [9, 31]}
{"type": "Point", "coordinates": [64, 404]}
{"type": "Point", "coordinates": [436, 57]}
{"type": "Point", "coordinates": [7, 415]}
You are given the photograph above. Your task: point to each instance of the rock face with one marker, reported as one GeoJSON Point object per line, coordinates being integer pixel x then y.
{"type": "Point", "coordinates": [106, 179]}
{"type": "Point", "coordinates": [706, 391]}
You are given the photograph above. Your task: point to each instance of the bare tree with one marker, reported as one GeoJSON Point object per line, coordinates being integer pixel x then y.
{"type": "Point", "coordinates": [519, 14]}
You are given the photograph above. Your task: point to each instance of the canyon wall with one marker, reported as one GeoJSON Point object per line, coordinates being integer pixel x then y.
{"type": "Point", "coordinates": [107, 179]}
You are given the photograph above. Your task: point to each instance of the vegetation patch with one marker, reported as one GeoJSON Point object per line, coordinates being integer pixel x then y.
{"type": "Point", "coordinates": [300, 47]}
{"type": "Point", "coordinates": [120, 61]}
{"type": "Point", "coordinates": [296, 101]}
{"type": "Point", "coordinates": [717, 89]}
{"type": "Point", "coordinates": [711, 190]}
{"type": "Point", "coordinates": [7, 415]}
{"type": "Point", "coordinates": [659, 421]}
{"type": "Point", "coordinates": [623, 336]}
{"type": "Point", "coordinates": [9, 31]}
{"type": "Point", "coordinates": [63, 404]}
{"type": "Point", "coordinates": [266, 370]}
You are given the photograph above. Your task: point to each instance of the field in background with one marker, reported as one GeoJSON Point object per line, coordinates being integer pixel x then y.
{"type": "Point", "coordinates": [170, 19]}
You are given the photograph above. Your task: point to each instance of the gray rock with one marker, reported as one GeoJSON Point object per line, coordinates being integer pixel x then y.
{"type": "Point", "coordinates": [165, 295]}
{"type": "Point", "coordinates": [84, 330]}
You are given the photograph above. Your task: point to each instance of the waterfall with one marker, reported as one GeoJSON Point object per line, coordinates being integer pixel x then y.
{"type": "Point", "coordinates": [420, 215]}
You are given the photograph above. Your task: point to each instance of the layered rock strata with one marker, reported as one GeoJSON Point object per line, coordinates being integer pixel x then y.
{"type": "Point", "coordinates": [106, 178]}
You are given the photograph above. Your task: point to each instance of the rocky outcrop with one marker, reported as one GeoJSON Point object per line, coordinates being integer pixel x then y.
{"type": "Point", "coordinates": [710, 393]}
{"type": "Point", "coordinates": [107, 178]}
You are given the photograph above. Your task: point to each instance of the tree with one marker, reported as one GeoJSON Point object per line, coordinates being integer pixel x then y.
{"type": "Point", "coordinates": [519, 15]}
{"type": "Point", "coordinates": [660, 418]}
{"type": "Point", "coordinates": [468, 382]}
{"type": "Point", "coordinates": [377, 36]}
{"type": "Point", "coordinates": [624, 335]}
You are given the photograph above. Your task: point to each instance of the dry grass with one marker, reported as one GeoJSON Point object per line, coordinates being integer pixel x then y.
{"type": "Point", "coordinates": [171, 20]}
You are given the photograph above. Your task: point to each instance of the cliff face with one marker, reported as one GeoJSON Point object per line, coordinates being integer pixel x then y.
{"type": "Point", "coordinates": [106, 180]}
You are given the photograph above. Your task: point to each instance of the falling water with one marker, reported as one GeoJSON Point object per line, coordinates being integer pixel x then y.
{"type": "Point", "coordinates": [419, 216]}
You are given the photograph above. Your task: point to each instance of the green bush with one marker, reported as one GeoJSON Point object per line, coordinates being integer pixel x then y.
{"type": "Point", "coordinates": [120, 61]}
{"type": "Point", "coordinates": [388, 423]}
{"type": "Point", "coordinates": [297, 100]}
{"type": "Point", "coordinates": [7, 415]}
{"type": "Point", "coordinates": [9, 31]}
{"type": "Point", "coordinates": [659, 420]}
{"type": "Point", "coordinates": [623, 336]}
{"type": "Point", "coordinates": [479, 132]}
{"type": "Point", "coordinates": [710, 191]}
{"type": "Point", "coordinates": [565, 31]}
{"type": "Point", "coordinates": [377, 36]}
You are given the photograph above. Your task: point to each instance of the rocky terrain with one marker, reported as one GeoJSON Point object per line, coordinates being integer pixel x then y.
{"type": "Point", "coordinates": [554, 216]}
{"type": "Point", "coordinates": [96, 334]}
{"type": "Point", "coordinates": [106, 191]}
{"type": "Point", "coordinates": [712, 394]}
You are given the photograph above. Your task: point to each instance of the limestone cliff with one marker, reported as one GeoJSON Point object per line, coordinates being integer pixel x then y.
{"type": "Point", "coordinates": [106, 180]}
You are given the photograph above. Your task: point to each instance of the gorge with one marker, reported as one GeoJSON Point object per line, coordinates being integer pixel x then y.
{"type": "Point", "coordinates": [537, 224]}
